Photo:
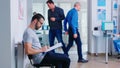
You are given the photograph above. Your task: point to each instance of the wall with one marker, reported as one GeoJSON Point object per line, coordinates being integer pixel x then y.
{"type": "Point", "coordinates": [92, 21]}
{"type": "Point", "coordinates": [29, 10]}
{"type": "Point", "coordinates": [18, 25]}
{"type": "Point", "coordinates": [89, 12]}
{"type": "Point", "coordinates": [29, 16]}
{"type": "Point", "coordinates": [118, 14]}
{"type": "Point", "coordinates": [12, 28]}
{"type": "Point", "coordinates": [5, 36]}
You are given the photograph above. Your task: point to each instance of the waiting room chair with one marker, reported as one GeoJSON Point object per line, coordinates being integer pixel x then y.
{"type": "Point", "coordinates": [39, 65]}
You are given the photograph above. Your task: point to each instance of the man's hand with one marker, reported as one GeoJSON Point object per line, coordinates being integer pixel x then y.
{"type": "Point", "coordinates": [66, 33]}
{"type": "Point", "coordinates": [44, 48]}
{"type": "Point", "coordinates": [75, 36]}
{"type": "Point", "coordinates": [52, 19]}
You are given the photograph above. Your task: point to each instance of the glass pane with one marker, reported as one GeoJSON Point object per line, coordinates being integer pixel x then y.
{"type": "Point", "coordinates": [38, 7]}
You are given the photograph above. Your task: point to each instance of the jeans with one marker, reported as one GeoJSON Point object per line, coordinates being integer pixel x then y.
{"type": "Point", "coordinates": [77, 41]}
{"type": "Point", "coordinates": [58, 34]}
{"type": "Point", "coordinates": [56, 59]}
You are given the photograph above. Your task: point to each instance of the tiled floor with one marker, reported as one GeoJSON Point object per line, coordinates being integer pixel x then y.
{"type": "Point", "coordinates": [94, 62]}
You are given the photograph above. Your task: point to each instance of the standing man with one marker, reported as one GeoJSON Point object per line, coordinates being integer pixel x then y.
{"type": "Point", "coordinates": [72, 19]}
{"type": "Point", "coordinates": [33, 47]}
{"type": "Point", "coordinates": [55, 17]}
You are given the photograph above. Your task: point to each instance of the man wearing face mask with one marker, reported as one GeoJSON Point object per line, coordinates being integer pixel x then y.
{"type": "Point", "coordinates": [33, 47]}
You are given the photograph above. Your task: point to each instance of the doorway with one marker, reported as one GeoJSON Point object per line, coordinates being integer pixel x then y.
{"type": "Point", "coordinates": [40, 6]}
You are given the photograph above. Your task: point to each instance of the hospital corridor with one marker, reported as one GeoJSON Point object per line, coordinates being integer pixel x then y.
{"type": "Point", "coordinates": [83, 33]}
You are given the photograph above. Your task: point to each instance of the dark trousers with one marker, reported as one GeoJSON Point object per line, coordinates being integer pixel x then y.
{"type": "Point", "coordinates": [77, 41]}
{"type": "Point", "coordinates": [56, 59]}
{"type": "Point", "coordinates": [58, 34]}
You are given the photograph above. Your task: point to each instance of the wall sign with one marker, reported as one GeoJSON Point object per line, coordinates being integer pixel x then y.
{"type": "Point", "coordinates": [101, 2]}
{"type": "Point", "coordinates": [21, 9]}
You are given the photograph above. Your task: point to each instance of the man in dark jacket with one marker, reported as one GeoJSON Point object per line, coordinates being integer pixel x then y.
{"type": "Point", "coordinates": [55, 17]}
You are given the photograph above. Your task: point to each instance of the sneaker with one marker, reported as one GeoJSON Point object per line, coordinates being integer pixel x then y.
{"type": "Point", "coordinates": [82, 61]}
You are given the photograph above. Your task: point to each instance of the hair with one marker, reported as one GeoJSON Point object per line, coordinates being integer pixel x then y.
{"type": "Point", "coordinates": [37, 16]}
{"type": "Point", "coordinates": [34, 13]}
{"type": "Point", "coordinates": [76, 3]}
{"type": "Point", "coordinates": [50, 1]}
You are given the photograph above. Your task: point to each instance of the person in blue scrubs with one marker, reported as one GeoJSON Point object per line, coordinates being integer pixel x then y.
{"type": "Point", "coordinates": [74, 35]}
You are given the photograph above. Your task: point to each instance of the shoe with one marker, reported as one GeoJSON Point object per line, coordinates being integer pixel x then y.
{"type": "Point", "coordinates": [82, 61]}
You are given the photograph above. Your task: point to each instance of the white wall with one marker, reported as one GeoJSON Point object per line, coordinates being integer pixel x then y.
{"type": "Point", "coordinates": [92, 21]}
{"type": "Point", "coordinates": [18, 25]}
{"type": "Point", "coordinates": [29, 16]}
{"type": "Point", "coordinates": [29, 10]}
{"type": "Point", "coordinates": [89, 8]}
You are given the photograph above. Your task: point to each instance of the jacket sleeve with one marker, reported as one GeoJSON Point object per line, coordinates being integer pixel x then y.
{"type": "Point", "coordinates": [74, 23]}
{"type": "Point", "coordinates": [48, 15]}
{"type": "Point", "coordinates": [65, 24]}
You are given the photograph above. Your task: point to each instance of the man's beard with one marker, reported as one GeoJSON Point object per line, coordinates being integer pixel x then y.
{"type": "Point", "coordinates": [36, 28]}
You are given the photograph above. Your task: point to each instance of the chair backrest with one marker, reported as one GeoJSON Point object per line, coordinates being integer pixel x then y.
{"type": "Point", "coordinates": [30, 58]}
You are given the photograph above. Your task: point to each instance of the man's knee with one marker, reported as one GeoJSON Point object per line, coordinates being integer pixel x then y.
{"type": "Point", "coordinates": [67, 59]}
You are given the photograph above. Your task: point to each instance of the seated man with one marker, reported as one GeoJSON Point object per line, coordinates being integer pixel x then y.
{"type": "Point", "coordinates": [33, 46]}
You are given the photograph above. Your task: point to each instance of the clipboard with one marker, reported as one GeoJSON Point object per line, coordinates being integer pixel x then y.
{"type": "Point", "coordinates": [54, 47]}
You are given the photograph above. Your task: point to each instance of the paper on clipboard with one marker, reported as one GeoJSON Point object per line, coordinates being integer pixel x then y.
{"type": "Point", "coordinates": [54, 47]}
